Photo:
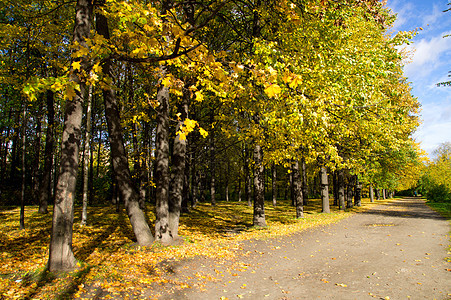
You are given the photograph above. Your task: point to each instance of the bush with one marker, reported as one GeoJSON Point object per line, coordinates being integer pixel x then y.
{"type": "Point", "coordinates": [439, 193]}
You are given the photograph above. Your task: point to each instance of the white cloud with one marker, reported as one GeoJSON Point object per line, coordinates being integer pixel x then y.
{"type": "Point", "coordinates": [428, 56]}
{"type": "Point", "coordinates": [436, 126]}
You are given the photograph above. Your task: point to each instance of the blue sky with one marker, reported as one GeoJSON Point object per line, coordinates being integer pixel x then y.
{"type": "Point", "coordinates": [430, 61]}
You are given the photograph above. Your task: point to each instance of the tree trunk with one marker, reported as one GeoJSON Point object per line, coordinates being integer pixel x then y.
{"type": "Point", "coordinates": [304, 182]}
{"type": "Point", "coordinates": [292, 194]}
{"type": "Point", "coordinates": [37, 156]}
{"type": "Point", "coordinates": [239, 188]}
{"type": "Point", "coordinates": [349, 192]}
{"type": "Point", "coordinates": [5, 152]}
{"type": "Point", "coordinates": [61, 257]}
{"type": "Point", "coordinates": [144, 170]}
{"type": "Point", "coordinates": [212, 165]}
{"type": "Point", "coordinates": [14, 165]}
{"type": "Point", "coordinates": [259, 197]}
{"type": "Point", "coordinates": [297, 189]}
{"type": "Point", "coordinates": [162, 231]}
{"type": "Point", "coordinates": [324, 190]}
{"type": "Point", "coordinates": [86, 155]}
{"type": "Point", "coordinates": [22, 193]}
{"type": "Point", "coordinates": [341, 189]}
{"type": "Point", "coordinates": [178, 170]}
{"type": "Point", "coordinates": [273, 181]}
{"type": "Point", "coordinates": [194, 181]}
{"type": "Point", "coordinates": [335, 187]}
{"type": "Point", "coordinates": [247, 177]}
{"type": "Point", "coordinates": [371, 193]}
{"type": "Point", "coordinates": [134, 132]}
{"type": "Point", "coordinates": [127, 191]}
{"type": "Point", "coordinates": [357, 192]}
{"type": "Point", "coordinates": [45, 189]}
{"type": "Point", "coordinates": [186, 195]}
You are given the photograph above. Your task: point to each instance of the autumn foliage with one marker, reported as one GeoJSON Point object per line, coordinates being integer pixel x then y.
{"type": "Point", "coordinates": [112, 264]}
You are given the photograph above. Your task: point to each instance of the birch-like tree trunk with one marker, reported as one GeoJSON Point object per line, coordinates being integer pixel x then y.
{"type": "Point", "coordinates": [371, 193]}
{"type": "Point", "coordinates": [297, 189]}
{"type": "Point", "coordinates": [86, 156]}
{"type": "Point", "coordinates": [259, 197]}
{"type": "Point", "coordinates": [324, 190]}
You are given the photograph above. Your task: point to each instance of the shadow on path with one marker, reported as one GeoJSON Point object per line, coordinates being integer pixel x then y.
{"type": "Point", "coordinates": [406, 208]}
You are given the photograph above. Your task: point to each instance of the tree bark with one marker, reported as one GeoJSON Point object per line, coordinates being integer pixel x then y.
{"type": "Point", "coordinates": [61, 257]}
{"type": "Point", "coordinates": [127, 191]}
{"type": "Point", "coordinates": [324, 190]}
{"type": "Point", "coordinates": [297, 189]}
{"type": "Point", "coordinates": [335, 187]}
{"type": "Point", "coordinates": [247, 177]}
{"type": "Point", "coordinates": [178, 170]}
{"type": "Point", "coordinates": [341, 189]}
{"type": "Point", "coordinates": [273, 181]}
{"type": "Point", "coordinates": [86, 155]}
{"type": "Point", "coordinates": [212, 163]}
{"type": "Point", "coordinates": [37, 155]}
{"type": "Point", "coordinates": [357, 192]}
{"type": "Point", "coordinates": [349, 192]}
{"type": "Point", "coordinates": [304, 182]}
{"type": "Point", "coordinates": [259, 197]}
{"type": "Point", "coordinates": [371, 193]}
{"type": "Point", "coordinates": [22, 193]}
{"type": "Point", "coordinates": [162, 231]}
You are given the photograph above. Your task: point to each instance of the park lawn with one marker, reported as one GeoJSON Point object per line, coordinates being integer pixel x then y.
{"type": "Point", "coordinates": [109, 260]}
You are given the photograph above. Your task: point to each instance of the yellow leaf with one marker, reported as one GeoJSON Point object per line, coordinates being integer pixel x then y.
{"type": "Point", "coordinates": [166, 82]}
{"type": "Point", "coordinates": [295, 82]}
{"type": "Point", "coordinates": [273, 90]}
{"type": "Point", "coordinates": [97, 68]}
{"type": "Point", "coordinates": [190, 124]}
{"type": "Point", "coordinates": [199, 96]}
{"type": "Point", "coordinates": [182, 135]}
{"type": "Point", "coordinates": [203, 132]}
{"type": "Point", "coordinates": [76, 65]}
{"type": "Point", "coordinates": [70, 93]}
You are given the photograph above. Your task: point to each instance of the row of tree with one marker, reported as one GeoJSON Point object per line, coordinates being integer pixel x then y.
{"type": "Point", "coordinates": [435, 182]}
{"type": "Point", "coordinates": [199, 97]}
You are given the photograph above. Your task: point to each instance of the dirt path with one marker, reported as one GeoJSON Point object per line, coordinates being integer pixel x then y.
{"type": "Point", "coordinates": [393, 251]}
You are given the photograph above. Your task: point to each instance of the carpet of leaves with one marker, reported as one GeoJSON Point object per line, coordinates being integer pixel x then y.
{"type": "Point", "coordinates": [111, 266]}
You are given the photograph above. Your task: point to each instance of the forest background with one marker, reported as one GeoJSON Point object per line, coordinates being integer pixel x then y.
{"type": "Point", "coordinates": [168, 104]}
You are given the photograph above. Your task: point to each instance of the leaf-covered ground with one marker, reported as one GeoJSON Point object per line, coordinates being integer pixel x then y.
{"type": "Point", "coordinates": [110, 264]}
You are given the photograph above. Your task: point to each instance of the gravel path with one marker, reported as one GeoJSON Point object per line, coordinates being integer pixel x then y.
{"type": "Point", "coordinates": [393, 251]}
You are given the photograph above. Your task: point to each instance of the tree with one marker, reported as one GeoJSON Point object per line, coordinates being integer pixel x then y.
{"type": "Point", "coordinates": [324, 190]}
{"type": "Point", "coordinates": [61, 257]}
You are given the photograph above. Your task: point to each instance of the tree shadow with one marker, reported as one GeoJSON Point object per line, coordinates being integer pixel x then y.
{"type": "Point", "coordinates": [406, 208]}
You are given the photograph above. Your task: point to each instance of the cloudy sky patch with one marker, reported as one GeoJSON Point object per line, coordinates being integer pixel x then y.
{"type": "Point", "coordinates": [430, 63]}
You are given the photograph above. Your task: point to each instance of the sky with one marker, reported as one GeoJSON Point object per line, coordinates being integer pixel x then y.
{"type": "Point", "coordinates": [429, 64]}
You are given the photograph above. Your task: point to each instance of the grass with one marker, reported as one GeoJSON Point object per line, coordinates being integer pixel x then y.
{"type": "Point", "coordinates": [444, 209]}
{"type": "Point", "coordinates": [112, 265]}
